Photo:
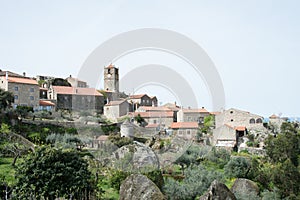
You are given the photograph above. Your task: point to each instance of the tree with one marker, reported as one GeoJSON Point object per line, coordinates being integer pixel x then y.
{"type": "Point", "coordinates": [6, 99]}
{"type": "Point", "coordinates": [139, 119]}
{"type": "Point", "coordinates": [285, 145]}
{"type": "Point", "coordinates": [286, 177]}
{"type": "Point", "coordinates": [50, 173]}
{"type": "Point", "coordinates": [237, 167]}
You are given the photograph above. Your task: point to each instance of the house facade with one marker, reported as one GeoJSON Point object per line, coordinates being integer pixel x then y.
{"type": "Point", "coordinates": [186, 130]}
{"type": "Point", "coordinates": [192, 115]}
{"type": "Point", "coordinates": [116, 109]}
{"type": "Point", "coordinates": [142, 100]}
{"type": "Point", "coordinates": [72, 98]}
{"type": "Point", "coordinates": [24, 89]}
{"type": "Point", "coordinates": [164, 119]}
{"type": "Point", "coordinates": [225, 136]}
{"type": "Point", "coordinates": [235, 117]}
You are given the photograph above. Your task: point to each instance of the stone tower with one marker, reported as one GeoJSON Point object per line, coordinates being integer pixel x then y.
{"type": "Point", "coordinates": [111, 79]}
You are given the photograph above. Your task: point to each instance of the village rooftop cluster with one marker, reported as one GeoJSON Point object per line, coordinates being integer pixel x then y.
{"type": "Point", "coordinates": [45, 93]}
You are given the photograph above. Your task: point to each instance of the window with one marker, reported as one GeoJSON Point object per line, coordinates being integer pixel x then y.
{"type": "Point", "coordinates": [231, 120]}
{"type": "Point", "coordinates": [16, 88]}
{"type": "Point", "coordinates": [252, 121]}
{"type": "Point", "coordinates": [154, 121]}
{"type": "Point", "coordinates": [31, 98]}
{"type": "Point", "coordinates": [16, 97]}
{"type": "Point", "coordinates": [31, 89]}
{"type": "Point", "coordinates": [188, 132]}
{"type": "Point", "coordinates": [231, 112]}
{"type": "Point", "coordinates": [259, 120]}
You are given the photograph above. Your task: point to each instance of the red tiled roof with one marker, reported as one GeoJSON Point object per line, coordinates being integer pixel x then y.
{"type": "Point", "coordinates": [240, 128]}
{"type": "Point", "coordinates": [76, 91]}
{"type": "Point", "coordinates": [46, 103]}
{"type": "Point", "coordinates": [114, 103]}
{"type": "Point", "coordinates": [22, 80]}
{"type": "Point", "coordinates": [273, 116]}
{"type": "Point", "coordinates": [136, 96]}
{"type": "Point", "coordinates": [215, 113]}
{"type": "Point", "coordinates": [229, 126]}
{"type": "Point", "coordinates": [110, 66]}
{"type": "Point", "coordinates": [41, 88]}
{"type": "Point", "coordinates": [201, 110]}
{"type": "Point", "coordinates": [176, 125]}
{"type": "Point", "coordinates": [152, 108]}
{"type": "Point", "coordinates": [154, 114]}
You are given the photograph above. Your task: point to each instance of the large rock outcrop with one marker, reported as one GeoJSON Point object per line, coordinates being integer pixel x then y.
{"type": "Point", "coordinates": [136, 156]}
{"type": "Point", "coordinates": [244, 186]}
{"type": "Point", "coordinates": [139, 187]}
{"type": "Point", "coordinates": [218, 191]}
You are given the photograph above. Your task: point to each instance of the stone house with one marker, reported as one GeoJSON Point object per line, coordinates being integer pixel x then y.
{"type": "Point", "coordinates": [116, 109]}
{"type": "Point", "coordinates": [141, 100]}
{"type": "Point", "coordinates": [73, 98]}
{"type": "Point", "coordinates": [235, 117]}
{"type": "Point", "coordinates": [164, 119]}
{"type": "Point", "coordinates": [186, 130]}
{"type": "Point", "coordinates": [228, 136]}
{"type": "Point", "coordinates": [192, 115]}
{"type": "Point", "coordinates": [24, 89]}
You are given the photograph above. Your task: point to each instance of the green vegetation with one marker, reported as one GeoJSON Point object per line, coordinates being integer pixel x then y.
{"type": "Point", "coordinates": [6, 99]}
{"type": "Point", "coordinates": [50, 173]}
{"type": "Point", "coordinates": [48, 161]}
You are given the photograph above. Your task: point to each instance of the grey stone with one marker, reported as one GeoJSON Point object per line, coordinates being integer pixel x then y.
{"type": "Point", "coordinates": [244, 186]}
{"type": "Point", "coordinates": [218, 191]}
{"type": "Point", "coordinates": [140, 157]}
{"type": "Point", "coordinates": [139, 187]}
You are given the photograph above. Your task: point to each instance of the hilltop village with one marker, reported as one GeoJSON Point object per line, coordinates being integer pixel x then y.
{"type": "Point", "coordinates": [51, 94]}
{"type": "Point", "coordinates": [62, 139]}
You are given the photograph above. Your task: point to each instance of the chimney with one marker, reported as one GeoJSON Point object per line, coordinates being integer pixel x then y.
{"type": "Point", "coordinates": [24, 73]}
{"type": "Point", "coordinates": [70, 76]}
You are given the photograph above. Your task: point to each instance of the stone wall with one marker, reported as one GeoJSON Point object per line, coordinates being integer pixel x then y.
{"type": "Point", "coordinates": [235, 117]}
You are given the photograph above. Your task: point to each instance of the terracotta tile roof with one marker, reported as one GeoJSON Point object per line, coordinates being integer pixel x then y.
{"type": "Point", "coordinates": [3, 73]}
{"type": "Point", "coordinates": [136, 96]}
{"type": "Point", "coordinates": [110, 66]}
{"type": "Point", "coordinates": [152, 126]}
{"type": "Point", "coordinates": [22, 80]}
{"type": "Point", "coordinates": [176, 125]}
{"type": "Point", "coordinates": [215, 113]}
{"type": "Point", "coordinates": [154, 114]}
{"type": "Point", "coordinates": [41, 88]}
{"type": "Point", "coordinates": [46, 103]}
{"type": "Point", "coordinates": [201, 110]}
{"type": "Point", "coordinates": [229, 126]}
{"type": "Point", "coordinates": [152, 108]}
{"type": "Point", "coordinates": [115, 103]}
{"type": "Point", "coordinates": [240, 128]}
{"type": "Point", "coordinates": [76, 91]}
{"type": "Point", "coordinates": [102, 138]}
{"type": "Point", "coordinates": [273, 116]}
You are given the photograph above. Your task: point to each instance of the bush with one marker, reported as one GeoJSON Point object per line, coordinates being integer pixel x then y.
{"type": "Point", "coordinates": [237, 167]}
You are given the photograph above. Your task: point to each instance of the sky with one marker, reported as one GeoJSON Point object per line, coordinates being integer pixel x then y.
{"type": "Point", "coordinates": [254, 44]}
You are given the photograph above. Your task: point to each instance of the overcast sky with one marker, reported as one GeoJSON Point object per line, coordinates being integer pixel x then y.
{"type": "Point", "coordinates": [254, 45]}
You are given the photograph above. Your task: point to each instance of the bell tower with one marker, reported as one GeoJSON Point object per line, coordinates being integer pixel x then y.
{"type": "Point", "coordinates": [111, 78]}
